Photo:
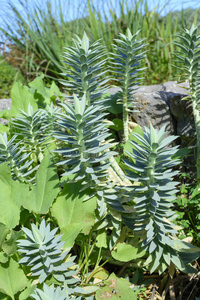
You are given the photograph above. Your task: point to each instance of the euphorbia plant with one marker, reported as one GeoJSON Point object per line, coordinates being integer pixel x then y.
{"type": "Point", "coordinates": [74, 190]}
{"type": "Point", "coordinates": [85, 69]}
{"type": "Point", "coordinates": [188, 63]}
{"type": "Point", "coordinates": [127, 71]}
{"type": "Point", "coordinates": [153, 195]}
{"type": "Point", "coordinates": [85, 155]}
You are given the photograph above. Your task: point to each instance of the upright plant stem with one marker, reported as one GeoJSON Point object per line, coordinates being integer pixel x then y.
{"type": "Point", "coordinates": [196, 114]}
{"type": "Point", "coordinates": [188, 60]}
{"type": "Point", "coordinates": [125, 119]}
{"type": "Point", "coordinates": [129, 56]}
{"type": "Point", "coordinates": [117, 172]}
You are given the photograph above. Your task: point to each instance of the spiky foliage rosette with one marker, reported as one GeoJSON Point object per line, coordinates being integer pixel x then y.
{"type": "Point", "coordinates": [152, 220]}
{"type": "Point", "coordinates": [86, 63]}
{"type": "Point", "coordinates": [85, 154]}
{"type": "Point", "coordinates": [52, 114]}
{"type": "Point", "coordinates": [42, 252]}
{"type": "Point", "coordinates": [49, 293]}
{"type": "Point", "coordinates": [18, 160]}
{"type": "Point", "coordinates": [188, 62]}
{"type": "Point", "coordinates": [31, 128]}
{"type": "Point", "coordinates": [127, 70]}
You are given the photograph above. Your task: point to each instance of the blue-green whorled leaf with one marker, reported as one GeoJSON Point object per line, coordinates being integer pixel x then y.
{"type": "Point", "coordinates": [127, 64]}
{"type": "Point", "coordinates": [19, 162]}
{"type": "Point", "coordinates": [85, 70]}
{"type": "Point", "coordinates": [41, 250]}
{"type": "Point", "coordinates": [153, 195]}
{"type": "Point", "coordinates": [85, 154]}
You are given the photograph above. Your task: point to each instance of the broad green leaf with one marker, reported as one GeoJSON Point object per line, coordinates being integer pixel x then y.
{"type": "Point", "coordinates": [101, 239]}
{"type": "Point", "coordinates": [3, 128]}
{"type": "Point", "coordinates": [128, 146]}
{"type": "Point", "coordinates": [69, 208]}
{"type": "Point", "coordinates": [3, 257]}
{"type": "Point", "coordinates": [10, 245]}
{"type": "Point", "coordinates": [3, 233]}
{"type": "Point", "coordinates": [89, 289]}
{"type": "Point", "coordinates": [27, 292]}
{"type": "Point", "coordinates": [13, 193]}
{"type": "Point", "coordinates": [127, 252]}
{"type": "Point", "coordinates": [12, 278]}
{"type": "Point", "coordinates": [43, 94]}
{"type": "Point", "coordinates": [115, 288]}
{"type": "Point", "coordinates": [3, 297]}
{"type": "Point", "coordinates": [21, 97]}
{"type": "Point", "coordinates": [118, 124]}
{"type": "Point", "coordinates": [70, 233]}
{"type": "Point", "coordinates": [113, 106]}
{"type": "Point", "coordinates": [46, 188]}
{"type": "Point", "coordinates": [101, 274]}
{"type": "Point", "coordinates": [5, 175]}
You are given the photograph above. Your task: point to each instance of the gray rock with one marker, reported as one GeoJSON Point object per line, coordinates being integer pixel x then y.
{"type": "Point", "coordinates": [152, 108]}
{"type": "Point", "coordinates": [4, 104]}
{"type": "Point", "coordinates": [176, 88]}
{"type": "Point", "coordinates": [165, 105]}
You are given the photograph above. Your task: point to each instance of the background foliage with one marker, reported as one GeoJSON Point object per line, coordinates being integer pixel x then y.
{"type": "Point", "coordinates": [35, 44]}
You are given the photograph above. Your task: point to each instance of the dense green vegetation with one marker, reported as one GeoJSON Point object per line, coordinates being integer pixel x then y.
{"type": "Point", "coordinates": [74, 223]}
{"type": "Point", "coordinates": [84, 215]}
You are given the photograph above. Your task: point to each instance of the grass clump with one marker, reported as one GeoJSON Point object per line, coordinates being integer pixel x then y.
{"type": "Point", "coordinates": [41, 32]}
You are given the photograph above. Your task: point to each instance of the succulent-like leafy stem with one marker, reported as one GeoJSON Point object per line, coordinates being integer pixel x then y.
{"type": "Point", "coordinates": [188, 63]}
{"type": "Point", "coordinates": [85, 154]}
{"type": "Point", "coordinates": [153, 196]}
{"type": "Point", "coordinates": [127, 70]}
{"type": "Point", "coordinates": [17, 158]}
{"type": "Point", "coordinates": [86, 63]}
{"type": "Point", "coordinates": [49, 293]}
{"type": "Point", "coordinates": [42, 252]}
{"type": "Point", "coordinates": [31, 128]}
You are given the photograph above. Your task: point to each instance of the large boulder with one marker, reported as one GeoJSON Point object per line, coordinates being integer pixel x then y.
{"type": "Point", "coordinates": [152, 107]}
{"type": "Point", "coordinates": [164, 105]}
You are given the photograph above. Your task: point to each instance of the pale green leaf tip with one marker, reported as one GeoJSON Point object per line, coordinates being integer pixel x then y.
{"type": "Point", "coordinates": [129, 34]}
